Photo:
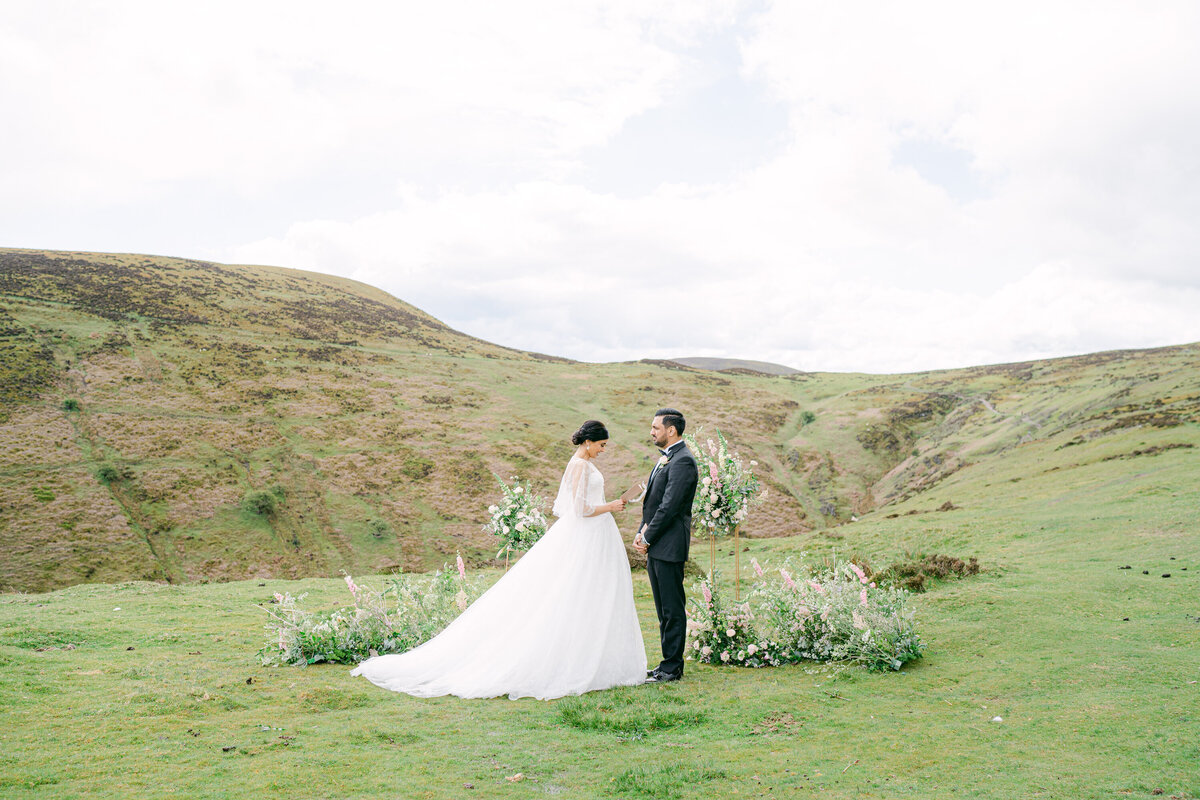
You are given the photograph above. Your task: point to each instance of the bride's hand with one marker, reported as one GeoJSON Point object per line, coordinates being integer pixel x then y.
{"type": "Point", "coordinates": [618, 505]}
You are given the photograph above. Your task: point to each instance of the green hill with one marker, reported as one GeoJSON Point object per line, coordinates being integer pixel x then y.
{"type": "Point", "coordinates": [144, 398]}
{"type": "Point", "coordinates": [1066, 669]}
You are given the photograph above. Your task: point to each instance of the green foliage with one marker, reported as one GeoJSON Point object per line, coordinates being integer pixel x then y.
{"type": "Point", "coordinates": [109, 473]}
{"type": "Point", "coordinates": [43, 495]}
{"type": "Point", "coordinates": [837, 614]}
{"type": "Point", "coordinates": [379, 528]}
{"type": "Point", "coordinates": [407, 612]}
{"type": "Point", "coordinates": [70, 404]}
{"type": "Point", "coordinates": [727, 488]}
{"type": "Point", "coordinates": [807, 418]}
{"type": "Point", "coordinates": [519, 519]}
{"type": "Point", "coordinates": [262, 502]}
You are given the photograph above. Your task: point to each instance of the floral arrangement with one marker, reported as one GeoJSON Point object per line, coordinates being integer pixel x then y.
{"type": "Point", "coordinates": [720, 634]}
{"type": "Point", "coordinates": [727, 486]}
{"type": "Point", "coordinates": [404, 614]}
{"type": "Point", "coordinates": [519, 519]}
{"type": "Point", "coordinates": [837, 614]}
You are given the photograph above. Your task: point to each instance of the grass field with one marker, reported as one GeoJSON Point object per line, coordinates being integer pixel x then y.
{"type": "Point", "coordinates": [1092, 669]}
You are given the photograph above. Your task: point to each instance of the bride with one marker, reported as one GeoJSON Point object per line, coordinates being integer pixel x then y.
{"type": "Point", "coordinates": [560, 622]}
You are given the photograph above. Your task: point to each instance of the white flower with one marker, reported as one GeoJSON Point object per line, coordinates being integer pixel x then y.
{"type": "Point", "coordinates": [521, 526]}
{"type": "Point", "coordinates": [716, 512]}
{"type": "Point", "coordinates": [493, 510]}
{"type": "Point", "coordinates": [752, 649]}
{"type": "Point", "coordinates": [754, 463]}
{"type": "Point", "coordinates": [518, 490]}
{"type": "Point", "coordinates": [696, 645]}
{"type": "Point", "coordinates": [724, 655]}
{"type": "Point", "coordinates": [729, 632]}
{"type": "Point", "coordinates": [663, 461]}
{"type": "Point", "coordinates": [707, 480]}
{"type": "Point", "coordinates": [706, 651]}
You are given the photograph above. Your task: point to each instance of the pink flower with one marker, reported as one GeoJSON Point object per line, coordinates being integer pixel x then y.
{"type": "Point", "coordinates": [818, 588]}
{"type": "Point", "coordinates": [758, 571]}
{"type": "Point", "coordinates": [712, 448]}
{"type": "Point", "coordinates": [712, 470]}
{"type": "Point", "coordinates": [787, 579]}
{"type": "Point", "coordinates": [352, 587]}
{"type": "Point", "coordinates": [858, 571]}
{"type": "Point", "coordinates": [803, 611]}
{"type": "Point", "coordinates": [872, 584]}
{"type": "Point", "coordinates": [707, 593]}
{"type": "Point", "coordinates": [462, 569]}
{"type": "Point", "coordinates": [862, 597]}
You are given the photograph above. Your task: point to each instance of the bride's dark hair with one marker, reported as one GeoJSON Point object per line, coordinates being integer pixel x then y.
{"type": "Point", "coordinates": [591, 431]}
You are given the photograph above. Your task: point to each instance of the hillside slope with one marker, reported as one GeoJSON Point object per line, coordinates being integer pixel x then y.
{"type": "Point", "coordinates": [142, 399]}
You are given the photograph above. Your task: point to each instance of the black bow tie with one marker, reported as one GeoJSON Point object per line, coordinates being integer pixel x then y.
{"type": "Point", "coordinates": [664, 452]}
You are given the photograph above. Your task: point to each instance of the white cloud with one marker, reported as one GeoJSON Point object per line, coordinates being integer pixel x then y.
{"type": "Point", "coordinates": [947, 184]}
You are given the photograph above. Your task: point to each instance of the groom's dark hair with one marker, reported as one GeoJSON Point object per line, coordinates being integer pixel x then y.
{"type": "Point", "coordinates": [671, 417]}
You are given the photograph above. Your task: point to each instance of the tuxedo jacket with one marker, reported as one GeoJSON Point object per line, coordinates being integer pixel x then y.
{"type": "Point", "coordinates": [667, 507]}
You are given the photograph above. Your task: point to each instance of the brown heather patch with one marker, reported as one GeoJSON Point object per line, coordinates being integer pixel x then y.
{"type": "Point", "coordinates": [37, 436]}
{"type": "Point", "coordinates": [191, 493]}
{"type": "Point", "coordinates": [137, 436]}
{"type": "Point", "coordinates": [310, 404]}
{"type": "Point", "coordinates": [80, 535]}
{"type": "Point", "coordinates": [362, 472]}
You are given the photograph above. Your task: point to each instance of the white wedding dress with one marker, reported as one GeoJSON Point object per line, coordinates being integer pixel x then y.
{"type": "Point", "coordinates": [560, 622]}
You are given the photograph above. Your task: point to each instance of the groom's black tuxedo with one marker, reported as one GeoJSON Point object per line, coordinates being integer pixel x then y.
{"type": "Point", "coordinates": [667, 521]}
{"type": "Point", "coordinates": [667, 507]}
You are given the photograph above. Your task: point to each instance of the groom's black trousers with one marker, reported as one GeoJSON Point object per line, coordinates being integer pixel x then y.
{"type": "Point", "coordinates": [666, 581]}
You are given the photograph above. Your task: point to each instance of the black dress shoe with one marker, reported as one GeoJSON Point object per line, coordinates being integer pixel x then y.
{"type": "Point", "coordinates": [663, 677]}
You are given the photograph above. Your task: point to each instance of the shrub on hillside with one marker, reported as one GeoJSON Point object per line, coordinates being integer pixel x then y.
{"type": "Point", "coordinates": [108, 473]}
{"type": "Point", "coordinates": [262, 502]}
{"type": "Point", "coordinates": [912, 573]}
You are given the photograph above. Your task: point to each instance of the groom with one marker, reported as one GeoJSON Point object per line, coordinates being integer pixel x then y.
{"type": "Point", "coordinates": [664, 537]}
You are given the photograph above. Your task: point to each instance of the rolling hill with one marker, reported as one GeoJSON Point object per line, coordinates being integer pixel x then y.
{"type": "Point", "coordinates": [143, 399]}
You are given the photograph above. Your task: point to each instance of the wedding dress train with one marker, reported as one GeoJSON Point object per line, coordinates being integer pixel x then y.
{"type": "Point", "coordinates": [560, 622]}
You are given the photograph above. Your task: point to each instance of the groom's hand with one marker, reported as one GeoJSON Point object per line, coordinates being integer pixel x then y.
{"type": "Point", "coordinates": [639, 543]}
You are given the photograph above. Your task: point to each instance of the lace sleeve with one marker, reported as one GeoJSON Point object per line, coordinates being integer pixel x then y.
{"type": "Point", "coordinates": [572, 492]}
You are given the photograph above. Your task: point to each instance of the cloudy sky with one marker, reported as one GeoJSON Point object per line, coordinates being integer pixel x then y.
{"type": "Point", "coordinates": [874, 187]}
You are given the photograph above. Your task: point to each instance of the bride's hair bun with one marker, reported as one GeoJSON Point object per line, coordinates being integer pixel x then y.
{"type": "Point", "coordinates": [591, 431]}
